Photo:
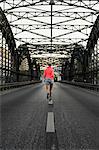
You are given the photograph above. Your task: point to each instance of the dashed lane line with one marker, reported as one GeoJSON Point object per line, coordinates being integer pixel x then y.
{"type": "Point", "coordinates": [50, 123]}
{"type": "Point", "coordinates": [51, 135]}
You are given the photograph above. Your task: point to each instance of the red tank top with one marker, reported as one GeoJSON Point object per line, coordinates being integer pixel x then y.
{"type": "Point", "coordinates": [49, 73]}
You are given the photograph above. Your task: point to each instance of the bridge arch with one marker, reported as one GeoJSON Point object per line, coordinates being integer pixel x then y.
{"type": "Point", "coordinates": [7, 51]}
{"type": "Point", "coordinates": [92, 68]}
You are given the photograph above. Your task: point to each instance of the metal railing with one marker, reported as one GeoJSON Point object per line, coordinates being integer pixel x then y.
{"type": "Point", "coordinates": [7, 86]}
{"type": "Point", "coordinates": [94, 87]}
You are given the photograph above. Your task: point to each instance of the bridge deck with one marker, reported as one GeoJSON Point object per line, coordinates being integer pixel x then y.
{"type": "Point", "coordinates": [24, 114]}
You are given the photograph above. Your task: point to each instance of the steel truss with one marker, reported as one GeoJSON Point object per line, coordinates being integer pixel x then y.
{"type": "Point", "coordinates": [7, 51]}
{"type": "Point", "coordinates": [55, 30]}
{"type": "Point", "coordinates": [92, 69]}
{"type": "Point", "coordinates": [32, 13]}
{"type": "Point", "coordinates": [10, 57]}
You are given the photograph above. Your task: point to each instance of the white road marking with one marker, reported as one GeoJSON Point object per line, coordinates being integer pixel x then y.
{"type": "Point", "coordinates": [50, 123]}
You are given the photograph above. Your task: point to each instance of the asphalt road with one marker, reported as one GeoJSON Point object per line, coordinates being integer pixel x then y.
{"type": "Point", "coordinates": [24, 116]}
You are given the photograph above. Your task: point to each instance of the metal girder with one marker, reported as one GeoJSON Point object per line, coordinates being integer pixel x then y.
{"type": "Point", "coordinates": [23, 51]}
{"type": "Point", "coordinates": [41, 13]}
{"type": "Point", "coordinates": [23, 29]}
{"type": "Point", "coordinates": [79, 4]}
{"type": "Point", "coordinates": [94, 35]}
{"type": "Point", "coordinates": [7, 32]}
{"type": "Point", "coordinates": [56, 26]}
{"type": "Point", "coordinates": [88, 4]}
{"type": "Point", "coordinates": [38, 16]}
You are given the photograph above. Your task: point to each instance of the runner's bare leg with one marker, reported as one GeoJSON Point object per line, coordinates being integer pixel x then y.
{"type": "Point", "coordinates": [47, 88]}
{"type": "Point", "coordinates": [51, 86]}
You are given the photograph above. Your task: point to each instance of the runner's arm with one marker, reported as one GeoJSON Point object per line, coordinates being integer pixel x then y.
{"type": "Point", "coordinates": [53, 73]}
{"type": "Point", "coordinates": [44, 74]}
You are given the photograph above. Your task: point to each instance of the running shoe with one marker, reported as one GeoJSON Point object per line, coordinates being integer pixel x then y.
{"type": "Point", "coordinates": [50, 101]}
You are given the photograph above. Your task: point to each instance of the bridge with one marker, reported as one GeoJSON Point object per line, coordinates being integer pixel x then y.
{"type": "Point", "coordinates": [66, 34]}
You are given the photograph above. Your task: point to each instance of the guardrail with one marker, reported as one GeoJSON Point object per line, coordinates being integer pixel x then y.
{"type": "Point", "coordinates": [94, 87]}
{"type": "Point", "coordinates": [7, 86]}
